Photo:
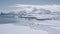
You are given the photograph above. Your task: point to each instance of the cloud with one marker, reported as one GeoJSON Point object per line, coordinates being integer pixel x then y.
{"type": "Point", "coordinates": [29, 8]}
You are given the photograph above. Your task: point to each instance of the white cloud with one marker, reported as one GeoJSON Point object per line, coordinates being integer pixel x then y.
{"type": "Point", "coordinates": [29, 8]}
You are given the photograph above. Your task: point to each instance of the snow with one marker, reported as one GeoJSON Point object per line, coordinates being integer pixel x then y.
{"type": "Point", "coordinates": [30, 25]}
{"type": "Point", "coordinates": [13, 29]}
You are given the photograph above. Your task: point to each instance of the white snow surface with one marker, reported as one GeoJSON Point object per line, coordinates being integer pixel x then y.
{"type": "Point", "coordinates": [29, 26]}
{"type": "Point", "coordinates": [13, 29]}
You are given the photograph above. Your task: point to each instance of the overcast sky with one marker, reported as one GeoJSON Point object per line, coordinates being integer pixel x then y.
{"type": "Point", "coordinates": [4, 3]}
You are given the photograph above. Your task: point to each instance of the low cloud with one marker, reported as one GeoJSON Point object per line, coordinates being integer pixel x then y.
{"type": "Point", "coordinates": [29, 8]}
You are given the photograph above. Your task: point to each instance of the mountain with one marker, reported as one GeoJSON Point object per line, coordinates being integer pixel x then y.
{"type": "Point", "coordinates": [40, 11]}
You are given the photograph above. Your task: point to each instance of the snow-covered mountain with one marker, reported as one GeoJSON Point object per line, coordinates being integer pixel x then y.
{"type": "Point", "coordinates": [41, 11]}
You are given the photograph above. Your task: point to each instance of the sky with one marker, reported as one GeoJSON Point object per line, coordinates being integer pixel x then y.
{"type": "Point", "coordinates": [5, 3]}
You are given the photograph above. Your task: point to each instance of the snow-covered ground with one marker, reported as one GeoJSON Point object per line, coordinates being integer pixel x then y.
{"type": "Point", "coordinates": [13, 29]}
{"type": "Point", "coordinates": [29, 26]}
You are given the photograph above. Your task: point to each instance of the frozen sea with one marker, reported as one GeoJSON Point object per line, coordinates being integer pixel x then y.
{"type": "Point", "coordinates": [28, 26]}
